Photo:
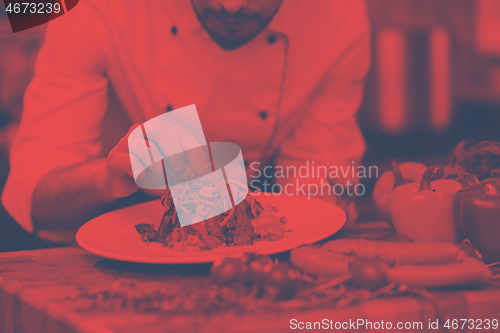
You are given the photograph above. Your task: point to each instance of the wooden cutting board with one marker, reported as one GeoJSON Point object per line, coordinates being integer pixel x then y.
{"type": "Point", "coordinates": [40, 291]}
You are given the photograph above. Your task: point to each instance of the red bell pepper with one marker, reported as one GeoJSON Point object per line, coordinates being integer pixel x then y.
{"type": "Point", "coordinates": [400, 174]}
{"type": "Point", "coordinates": [424, 211]}
{"type": "Point", "coordinates": [477, 212]}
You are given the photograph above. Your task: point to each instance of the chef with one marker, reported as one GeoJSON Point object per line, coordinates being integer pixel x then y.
{"type": "Point", "coordinates": [282, 79]}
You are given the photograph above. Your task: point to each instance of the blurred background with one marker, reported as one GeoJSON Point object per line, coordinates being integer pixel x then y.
{"type": "Point", "coordinates": [434, 80]}
{"type": "Point", "coordinates": [435, 77]}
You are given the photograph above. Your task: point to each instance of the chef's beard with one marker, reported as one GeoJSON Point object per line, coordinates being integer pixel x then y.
{"type": "Point", "coordinates": [231, 37]}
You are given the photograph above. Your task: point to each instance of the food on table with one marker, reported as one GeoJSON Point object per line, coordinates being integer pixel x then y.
{"type": "Point", "coordinates": [267, 225]}
{"type": "Point", "coordinates": [424, 211]}
{"type": "Point", "coordinates": [242, 225]}
{"type": "Point", "coordinates": [228, 271]}
{"type": "Point", "coordinates": [258, 283]}
{"type": "Point", "coordinates": [318, 262]}
{"type": "Point", "coordinates": [467, 271]}
{"type": "Point", "coordinates": [477, 212]}
{"type": "Point", "coordinates": [467, 179]}
{"type": "Point", "coordinates": [282, 281]}
{"type": "Point", "coordinates": [370, 273]}
{"type": "Point", "coordinates": [401, 174]}
{"type": "Point", "coordinates": [468, 164]}
{"type": "Point", "coordinates": [378, 263]}
{"type": "Point", "coordinates": [404, 253]}
{"type": "Point", "coordinates": [258, 266]}
{"type": "Point", "coordinates": [257, 272]}
{"type": "Point", "coordinates": [478, 159]}
{"type": "Point", "coordinates": [147, 232]}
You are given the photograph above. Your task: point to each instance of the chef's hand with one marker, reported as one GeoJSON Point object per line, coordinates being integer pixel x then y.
{"type": "Point", "coordinates": [129, 162]}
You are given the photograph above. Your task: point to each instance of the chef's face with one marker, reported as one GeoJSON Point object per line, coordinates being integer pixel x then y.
{"type": "Point", "coordinates": [232, 23]}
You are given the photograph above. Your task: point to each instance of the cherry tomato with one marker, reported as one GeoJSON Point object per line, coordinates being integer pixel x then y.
{"type": "Point", "coordinates": [401, 239]}
{"type": "Point", "coordinates": [259, 268]}
{"type": "Point", "coordinates": [228, 271]}
{"type": "Point", "coordinates": [281, 282]}
{"type": "Point", "coordinates": [368, 273]}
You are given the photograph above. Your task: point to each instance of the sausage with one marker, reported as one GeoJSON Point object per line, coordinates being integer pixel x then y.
{"type": "Point", "coordinates": [319, 262]}
{"type": "Point", "coordinates": [467, 271]}
{"type": "Point", "coordinates": [404, 253]}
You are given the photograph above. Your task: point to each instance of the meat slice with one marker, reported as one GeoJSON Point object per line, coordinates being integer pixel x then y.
{"type": "Point", "coordinates": [242, 228]}
{"type": "Point", "coordinates": [167, 225]}
{"type": "Point", "coordinates": [146, 231]}
{"type": "Point", "coordinates": [214, 228]}
{"type": "Point", "coordinates": [268, 225]}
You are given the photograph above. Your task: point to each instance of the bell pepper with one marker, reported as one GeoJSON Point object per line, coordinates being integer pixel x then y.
{"type": "Point", "coordinates": [400, 174]}
{"type": "Point", "coordinates": [477, 213]}
{"type": "Point", "coordinates": [424, 211]}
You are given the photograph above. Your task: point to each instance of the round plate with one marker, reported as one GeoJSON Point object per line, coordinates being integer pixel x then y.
{"type": "Point", "coordinates": [113, 235]}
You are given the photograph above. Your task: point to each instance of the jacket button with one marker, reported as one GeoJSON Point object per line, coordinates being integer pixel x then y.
{"type": "Point", "coordinates": [271, 39]}
{"type": "Point", "coordinates": [263, 115]}
{"type": "Point", "coordinates": [174, 30]}
{"type": "Point", "coordinates": [169, 108]}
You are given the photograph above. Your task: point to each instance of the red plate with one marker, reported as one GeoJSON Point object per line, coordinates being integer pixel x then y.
{"type": "Point", "coordinates": [113, 235]}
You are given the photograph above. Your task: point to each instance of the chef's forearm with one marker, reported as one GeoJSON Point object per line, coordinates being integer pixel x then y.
{"type": "Point", "coordinates": [68, 197]}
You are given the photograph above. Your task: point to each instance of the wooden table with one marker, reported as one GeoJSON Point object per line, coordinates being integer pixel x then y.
{"type": "Point", "coordinates": [39, 292]}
